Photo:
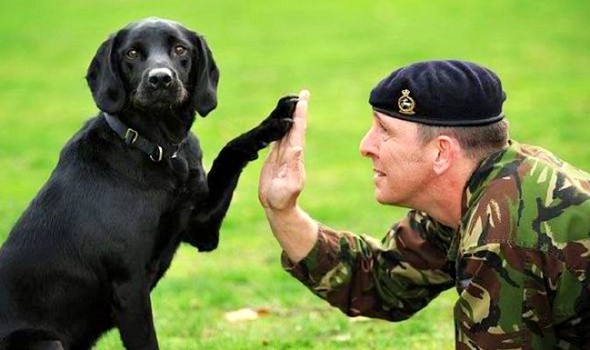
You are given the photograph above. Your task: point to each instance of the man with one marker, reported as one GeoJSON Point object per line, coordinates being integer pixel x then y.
{"type": "Point", "coordinates": [506, 224]}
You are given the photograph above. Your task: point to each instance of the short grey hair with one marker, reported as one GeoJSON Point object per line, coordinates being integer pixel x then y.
{"type": "Point", "coordinates": [477, 142]}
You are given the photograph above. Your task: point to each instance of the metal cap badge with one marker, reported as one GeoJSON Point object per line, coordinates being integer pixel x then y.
{"type": "Point", "coordinates": [406, 104]}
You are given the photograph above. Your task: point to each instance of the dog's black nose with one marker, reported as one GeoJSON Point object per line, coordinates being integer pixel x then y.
{"type": "Point", "coordinates": [160, 78]}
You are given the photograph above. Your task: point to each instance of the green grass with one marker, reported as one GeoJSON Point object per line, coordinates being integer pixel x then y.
{"type": "Point", "coordinates": [266, 49]}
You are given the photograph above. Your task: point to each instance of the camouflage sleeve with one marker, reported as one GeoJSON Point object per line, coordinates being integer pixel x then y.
{"type": "Point", "coordinates": [389, 279]}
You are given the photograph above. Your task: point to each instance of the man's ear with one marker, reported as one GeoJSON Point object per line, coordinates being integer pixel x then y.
{"type": "Point", "coordinates": [445, 151]}
{"type": "Point", "coordinates": [104, 78]}
{"type": "Point", "coordinates": [204, 76]}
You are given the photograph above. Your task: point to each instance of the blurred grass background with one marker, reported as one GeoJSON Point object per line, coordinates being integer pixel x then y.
{"type": "Point", "coordinates": [266, 49]}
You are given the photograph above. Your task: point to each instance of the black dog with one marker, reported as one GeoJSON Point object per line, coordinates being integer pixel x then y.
{"type": "Point", "coordinates": [129, 187]}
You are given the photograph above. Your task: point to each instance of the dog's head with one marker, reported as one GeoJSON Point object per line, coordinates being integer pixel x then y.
{"type": "Point", "coordinates": [154, 64]}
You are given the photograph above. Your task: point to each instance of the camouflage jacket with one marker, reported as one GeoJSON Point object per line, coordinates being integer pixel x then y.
{"type": "Point", "coordinates": [519, 260]}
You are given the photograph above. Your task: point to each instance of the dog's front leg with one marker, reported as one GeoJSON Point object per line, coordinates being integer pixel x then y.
{"type": "Point", "coordinates": [225, 172]}
{"type": "Point", "coordinates": [132, 312]}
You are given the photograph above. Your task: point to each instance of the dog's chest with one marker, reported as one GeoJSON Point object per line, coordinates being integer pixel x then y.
{"type": "Point", "coordinates": [172, 225]}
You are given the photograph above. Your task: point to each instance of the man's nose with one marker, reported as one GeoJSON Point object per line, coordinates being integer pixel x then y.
{"type": "Point", "coordinates": [367, 146]}
{"type": "Point", "coordinates": [160, 78]}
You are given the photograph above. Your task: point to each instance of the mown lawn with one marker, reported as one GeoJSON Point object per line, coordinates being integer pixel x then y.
{"type": "Point", "coordinates": [266, 49]}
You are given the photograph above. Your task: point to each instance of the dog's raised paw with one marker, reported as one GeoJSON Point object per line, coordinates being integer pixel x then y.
{"type": "Point", "coordinates": [280, 120]}
{"type": "Point", "coordinates": [285, 107]}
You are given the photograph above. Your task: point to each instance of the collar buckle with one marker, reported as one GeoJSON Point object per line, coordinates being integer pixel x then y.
{"type": "Point", "coordinates": [131, 136]}
{"type": "Point", "coordinates": [158, 158]}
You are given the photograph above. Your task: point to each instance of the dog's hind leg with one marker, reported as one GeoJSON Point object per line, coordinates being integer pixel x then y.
{"type": "Point", "coordinates": [30, 340]}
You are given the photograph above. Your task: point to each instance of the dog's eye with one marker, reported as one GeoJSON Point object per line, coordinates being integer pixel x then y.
{"type": "Point", "coordinates": [179, 50]}
{"type": "Point", "coordinates": [132, 54]}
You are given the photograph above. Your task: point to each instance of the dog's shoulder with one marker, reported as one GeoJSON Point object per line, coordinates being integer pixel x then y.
{"type": "Point", "coordinates": [91, 138]}
{"type": "Point", "coordinates": [96, 152]}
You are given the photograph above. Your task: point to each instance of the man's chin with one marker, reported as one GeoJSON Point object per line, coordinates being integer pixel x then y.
{"type": "Point", "coordinates": [381, 199]}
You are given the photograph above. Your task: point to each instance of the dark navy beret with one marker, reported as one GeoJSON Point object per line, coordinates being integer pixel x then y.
{"type": "Point", "coordinates": [443, 93]}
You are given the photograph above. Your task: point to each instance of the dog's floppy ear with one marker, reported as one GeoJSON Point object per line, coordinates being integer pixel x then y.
{"type": "Point", "coordinates": [104, 78]}
{"type": "Point", "coordinates": [205, 76]}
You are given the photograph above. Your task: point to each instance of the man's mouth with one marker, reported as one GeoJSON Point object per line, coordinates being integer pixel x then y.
{"type": "Point", "coordinates": [378, 174]}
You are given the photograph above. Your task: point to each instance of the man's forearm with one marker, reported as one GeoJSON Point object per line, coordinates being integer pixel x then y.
{"type": "Point", "coordinates": [295, 230]}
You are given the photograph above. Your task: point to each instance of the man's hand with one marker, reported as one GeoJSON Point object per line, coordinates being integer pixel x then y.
{"type": "Point", "coordinates": [283, 173]}
{"type": "Point", "coordinates": [281, 182]}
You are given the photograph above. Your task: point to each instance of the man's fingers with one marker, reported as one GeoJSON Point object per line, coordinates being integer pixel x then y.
{"type": "Point", "coordinates": [304, 95]}
{"type": "Point", "coordinates": [292, 162]}
{"type": "Point", "coordinates": [274, 154]}
{"type": "Point", "coordinates": [296, 135]}
{"type": "Point", "coordinates": [296, 166]}
{"type": "Point", "coordinates": [283, 173]}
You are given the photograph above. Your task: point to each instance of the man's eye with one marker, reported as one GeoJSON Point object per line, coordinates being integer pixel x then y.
{"type": "Point", "coordinates": [132, 54]}
{"type": "Point", "coordinates": [384, 132]}
{"type": "Point", "coordinates": [180, 50]}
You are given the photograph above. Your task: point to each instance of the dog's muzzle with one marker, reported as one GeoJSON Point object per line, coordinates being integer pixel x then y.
{"type": "Point", "coordinates": [160, 87]}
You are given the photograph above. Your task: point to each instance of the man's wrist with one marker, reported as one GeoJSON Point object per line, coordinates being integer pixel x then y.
{"type": "Point", "coordinates": [295, 230]}
{"type": "Point", "coordinates": [290, 213]}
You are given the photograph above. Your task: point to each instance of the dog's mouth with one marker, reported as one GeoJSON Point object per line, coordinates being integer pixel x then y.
{"type": "Point", "coordinates": [145, 96]}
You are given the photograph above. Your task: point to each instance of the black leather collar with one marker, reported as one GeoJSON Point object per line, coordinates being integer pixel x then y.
{"type": "Point", "coordinates": [132, 138]}
{"type": "Point", "coordinates": [156, 153]}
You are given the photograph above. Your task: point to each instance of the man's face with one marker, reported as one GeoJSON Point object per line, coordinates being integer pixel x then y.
{"type": "Point", "coordinates": [400, 168]}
